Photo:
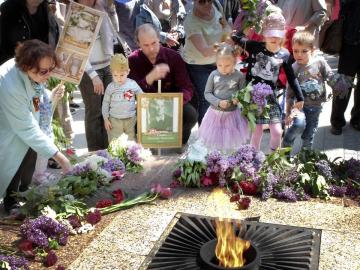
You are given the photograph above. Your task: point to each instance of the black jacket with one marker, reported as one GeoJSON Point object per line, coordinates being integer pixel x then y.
{"type": "Point", "coordinates": [350, 10]}
{"type": "Point", "coordinates": [15, 26]}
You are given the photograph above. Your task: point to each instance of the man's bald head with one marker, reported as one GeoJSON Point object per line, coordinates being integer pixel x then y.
{"type": "Point", "coordinates": [148, 40]}
{"type": "Point", "coordinates": [146, 29]}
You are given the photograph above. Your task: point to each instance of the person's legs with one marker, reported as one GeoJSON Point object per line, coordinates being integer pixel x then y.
{"type": "Point", "coordinates": [355, 112]}
{"type": "Point", "coordinates": [295, 130]}
{"type": "Point", "coordinates": [349, 64]}
{"type": "Point", "coordinates": [199, 75]}
{"type": "Point", "coordinates": [190, 117]}
{"type": "Point", "coordinates": [312, 121]}
{"type": "Point", "coordinates": [21, 179]}
{"type": "Point", "coordinates": [117, 128]}
{"type": "Point", "coordinates": [257, 136]}
{"type": "Point", "coordinates": [275, 136]}
{"type": "Point", "coordinates": [129, 127]}
{"type": "Point", "coordinates": [96, 135]}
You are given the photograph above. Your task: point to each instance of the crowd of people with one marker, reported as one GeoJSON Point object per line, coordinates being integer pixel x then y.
{"type": "Point", "coordinates": [193, 48]}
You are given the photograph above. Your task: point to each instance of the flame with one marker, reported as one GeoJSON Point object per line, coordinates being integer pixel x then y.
{"type": "Point", "coordinates": [229, 249]}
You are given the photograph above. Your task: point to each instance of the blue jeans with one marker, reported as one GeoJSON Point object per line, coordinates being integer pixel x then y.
{"type": "Point", "coordinates": [199, 75]}
{"type": "Point", "coordinates": [306, 124]}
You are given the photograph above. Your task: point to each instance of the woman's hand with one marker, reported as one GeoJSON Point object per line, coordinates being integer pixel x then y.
{"type": "Point", "coordinates": [57, 93]}
{"type": "Point", "coordinates": [299, 105]}
{"type": "Point", "coordinates": [63, 161]}
{"type": "Point", "coordinates": [98, 85]}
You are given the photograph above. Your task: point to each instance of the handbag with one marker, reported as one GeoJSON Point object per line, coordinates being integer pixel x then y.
{"type": "Point", "coordinates": [330, 36]}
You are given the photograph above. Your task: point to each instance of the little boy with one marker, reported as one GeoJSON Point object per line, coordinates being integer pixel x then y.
{"type": "Point", "coordinates": [119, 104]}
{"type": "Point", "coordinates": [311, 72]}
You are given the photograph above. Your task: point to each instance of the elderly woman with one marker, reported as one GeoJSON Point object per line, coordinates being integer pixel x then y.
{"type": "Point", "coordinates": [21, 139]}
{"type": "Point", "coordinates": [203, 28]}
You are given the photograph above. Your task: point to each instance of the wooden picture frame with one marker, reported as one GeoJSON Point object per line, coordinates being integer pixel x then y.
{"type": "Point", "coordinates": [159, 120]}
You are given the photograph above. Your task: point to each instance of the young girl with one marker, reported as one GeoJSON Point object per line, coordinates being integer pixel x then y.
{"type": "Point", "coordinates": [119, 104]}
{"type": "Point", "coordinates": [265, 60]}
{"type": "Point", "coordinates": [223, 128]}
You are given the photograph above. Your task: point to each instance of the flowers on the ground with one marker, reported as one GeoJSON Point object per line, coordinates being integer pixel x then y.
{"type": "Point", "coordinates": [164, 192]}
{"type": "Point", "coordinates": [252, 101]}
{"type": "Point", "coordinates": [129, 152]}
{"type": "Point", "coordinates": [13, 262]}
{"type": "Point", "coordinates": [103, 203]}
{"type": "Point", "coordinates": [93, 216]}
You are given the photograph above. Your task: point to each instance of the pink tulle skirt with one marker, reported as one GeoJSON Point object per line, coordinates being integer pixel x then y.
{"type": "Point", "coordinates": [223, 131]}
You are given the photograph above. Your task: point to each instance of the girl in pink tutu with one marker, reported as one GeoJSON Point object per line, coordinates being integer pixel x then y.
{"type": "Point", "coordinates": [223, 128]}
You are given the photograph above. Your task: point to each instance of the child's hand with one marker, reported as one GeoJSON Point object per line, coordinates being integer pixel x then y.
{"type": "Point", "coordinates": [235, 101]}
{"type": "Point", "coordinates": [298, 105]}
{"type": "Point", "coordinates": [107, 124]}
{"type": "Point", "coordinates": [224, 104]}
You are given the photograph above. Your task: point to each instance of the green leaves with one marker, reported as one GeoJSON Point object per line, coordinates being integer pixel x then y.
{"type": "Point", "coordinates": [192, 171]}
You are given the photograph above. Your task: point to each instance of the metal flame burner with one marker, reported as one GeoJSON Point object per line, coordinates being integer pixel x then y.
{"type": "Point", "coordinates": [277, 247]}
{"type": "Point", "coordinates": [208, 260]}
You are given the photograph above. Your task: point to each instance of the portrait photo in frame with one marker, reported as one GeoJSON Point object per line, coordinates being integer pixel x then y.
{"type": "Point", "coordinates": [159, 120]}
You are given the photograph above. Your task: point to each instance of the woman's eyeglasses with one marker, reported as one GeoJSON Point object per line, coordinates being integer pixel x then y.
{"type": "Point", "coordinates": [203, 2]}
{"type": "Point", "coordinates": [43, 71]}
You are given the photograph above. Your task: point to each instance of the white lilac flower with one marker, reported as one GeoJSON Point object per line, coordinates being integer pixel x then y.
{"type": "Point", "coordinates": [94, 161]}
{"type": "Point", "coordinates": [87, 227]}
{"type": "Point", "coordinates": [49, 212]}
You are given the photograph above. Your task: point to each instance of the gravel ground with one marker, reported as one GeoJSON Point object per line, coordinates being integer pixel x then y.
{"type": "Point", "coordinates": [132, 233]}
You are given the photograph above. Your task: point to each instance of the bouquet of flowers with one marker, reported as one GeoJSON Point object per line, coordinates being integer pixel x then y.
{"type": "Point", "coordinates": [340, 84]}
{"type": "Point", "coordinates": [129, 152]}
{"type": "Point", "coordinates": [252, 12]}
{"type": "Point", "coordinates": [252, 102]}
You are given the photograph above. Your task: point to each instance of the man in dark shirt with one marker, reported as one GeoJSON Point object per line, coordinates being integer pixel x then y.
{"type": "Point", "coordinates": [152, 63]}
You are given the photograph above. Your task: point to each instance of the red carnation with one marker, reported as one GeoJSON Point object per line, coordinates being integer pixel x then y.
{"type": "Point", "coordinates": [235, 198]}
{"type": "Point", "coordinates": [93, 217]}
{"type": "Point", "coordinates": [103, 203]}
{"type": "Point", "coordinates": [118, 195]}
{"type": "Point", "coordinates": [165, 193]}
{"type": "Point", "coordinates": [26, 247]}
{"type": "Point", "coordinates": [248, 188]}
{"type": "Point", "coordinates": [50, 259]}
{"type": "Point", "coordinates": [244, 203]}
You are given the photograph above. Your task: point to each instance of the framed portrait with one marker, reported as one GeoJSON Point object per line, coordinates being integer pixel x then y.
{"type": "Point", "coordinates": [159, 120]}
{"type": "Point", "coordinates": [81, 28]}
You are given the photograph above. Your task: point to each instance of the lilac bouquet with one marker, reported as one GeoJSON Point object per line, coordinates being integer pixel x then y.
{"type": "Point", "coordinates": [252, 12]}
{"type": "Point", "coordinates": [129, 152]}
{"type": "Point", "coordinates": [13, 262]}
{"type": "Point", "coordinates": [252, 101]}
{"type": "Point", "coordinates": [340, 84]}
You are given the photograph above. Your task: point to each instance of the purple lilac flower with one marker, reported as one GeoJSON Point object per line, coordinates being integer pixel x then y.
{"type": "Point", "coordinates": [287, 194]}
{"type": "Point", "coordinates": [245, 153]}
{"type": "Point", "coordinates": [39, 230]}
{"type": "Point", "coordinates": [337, 191]}
{"type": "Point", "coordinates": [79, 170]}
{"type": "Point", "coordinates": [212, 161]}
{"type": "Point", "coordinates": [271, 181]}
{"type": "Point", "coordinates": [324, 168]}
{"type": "Point", "coordinates": [260, 92]}
{"type": "Point", "coordinates": [353, 169]}
{"type": "Point", "coordinates": [133, 154]}
{"type": "Point", "coordinates": [114, 164]}
{"type": "Point", "coordinates": [103, 153]}
{"type": "Point", "coordinates": [15, 262]}
{"type": "Point", "coordinates": [292, 175]}
{"type": "Point", "coordinates": [352, 191]}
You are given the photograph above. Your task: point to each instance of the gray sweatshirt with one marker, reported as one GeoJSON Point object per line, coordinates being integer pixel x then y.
{"type": "Point", "coordinates": [312, 77]}
{"type": "Point", "coordinates": [222, 87]}
{"type": "Point", "coordinates": [300, 12]}
{"type": "Point", "coordinates": [120, 100]}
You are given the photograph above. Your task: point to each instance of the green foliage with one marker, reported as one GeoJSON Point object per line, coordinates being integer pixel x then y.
{"type": "Point", "coordinates": [191, 173]}
{"type": "Point", "coordinates": [80, 186]}
{"type": "Point", "coordinates": [60, 139]}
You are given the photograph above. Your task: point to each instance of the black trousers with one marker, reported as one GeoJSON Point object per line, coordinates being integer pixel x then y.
{"type": "Point", "coordinates": [96, 135]}
{"type": "Point", "coordinates": [190, 118]}
{"type": "Point", "coordinates": [349, 64]}
{"type": "Point", "coordinates": [22, 178]}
